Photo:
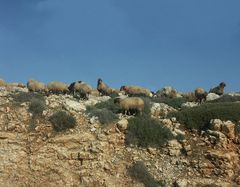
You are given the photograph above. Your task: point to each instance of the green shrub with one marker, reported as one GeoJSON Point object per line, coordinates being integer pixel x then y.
{"type": "Point", "coordinates": [139, 172]}
{"type": "Point", "coordinates": [109, 104]}
{"type": "Point", "coordinates": [200, 116]}
{"type": "Point", "coordinates": [62, 121]}
{"type": "Point", "coordinates": [104, 115]}
{"type": "Point", "coordinates": [32, 125]}
{"type": "Point", "coordinates": [37, 106]}
{"type": "Point", "coordinates": [105, 111]}
{"type": "Point", "coordinates": [144, 131]}
{"type": "Point", "coordinates": [226, 98]}
{"type": "Point", "coordinates": [173, 102]}
{"type": "Point", "coordinates": [27, 97]}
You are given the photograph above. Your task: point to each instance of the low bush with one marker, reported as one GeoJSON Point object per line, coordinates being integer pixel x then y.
{"type": "Point", "coordinates": [139, 172]}
{"type": "Point", "coordinates": [226, 98]}
{"type": "Point", "coordinates": [199, 117]}
{"type": "Point", "coordinates": [62, 121]}
{"type": "Point", "coordinates": [105, 111]}
{"type": "Point", "coordinates": [105, 116]}
{"type": "Point", "coordinates": [27, 97]}
{"type": "Point", "coordinates": [173, 102]}
{"type": "Point", "coordinates": [145, 131]}
{"type": "Point", "coordinates": [37, 106]}
{"type": "Point", "coordinates": [109, 105]}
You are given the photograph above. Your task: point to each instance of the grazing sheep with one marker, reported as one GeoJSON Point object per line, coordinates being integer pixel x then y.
{"type": "Point", "coordinates": [80, 87]}
{"type": "Point", "coordinates": [200, 95]}
{"type": "Point", "coordinates": [136, 90]}
{"type": "Point", "coordinates": [72, 88]}
{"type": "Point", "coordinates": [16, 84]}
{"type": "Point", "coordinates": [130, 103]}
{"type": "Point", "coordinates": [2, 83]}
{"type": "Point", "coordinates": [104, 89]}
{"type": "Point", "coordinates": [57, 88]}
{"type": "Point", "coordinates": [35, 86]}
{"type": "Point", "coordinates": [219, 90]}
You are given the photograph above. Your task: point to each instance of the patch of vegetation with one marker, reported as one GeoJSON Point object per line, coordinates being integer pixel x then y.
{"type": "Point", "coordinates": [62, 121]}
{"type": "Point", "coordinates": [109, 105]}
{"type": "Point", "coordinates": [32, 125]}
{"type": "Point", "coordinates": [173, 102]}
{"type": "Point", "coordinates": [105, 116]}
{"type": "Point", "coordinates": [105, 111]}
{"type": "Point", "coordinates": [139, 172]}
{"type": "Point", "coordinates": [199, 117]}
{"type": "Point", "coordinates": [207, 185]}
{"type": "Point", "coordinates": [226, 98]}
{"type": "Point", "coordinates": [27, 97]}
{"type": "Point", "coordinates": [145, 131]}
{"type": "Point", "coordinates": [37, 106]}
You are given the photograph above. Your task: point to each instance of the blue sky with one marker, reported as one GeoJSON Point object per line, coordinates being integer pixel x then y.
{"type": "Point", "coordinates": [155, 43]}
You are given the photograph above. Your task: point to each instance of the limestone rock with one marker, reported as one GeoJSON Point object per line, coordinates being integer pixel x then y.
{"type": "Point", "coordinates": [181, 183]}
{"type": "Point", "coordinates": [74, 105]}
{"type": "Point", "coordinates": [174, 148]}
{"type": "Point", "coordinates": [212, 96]}
{"type": "Point", "coordinates": [189, 105]}
{"type": "Point", "coordinates": [161, 109]}
{"type": "Point", "coordinates": [122, 124]}
{"type": "Point", "coordinates": [228, 128]}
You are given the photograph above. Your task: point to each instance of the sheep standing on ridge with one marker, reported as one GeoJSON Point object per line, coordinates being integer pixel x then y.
{"type": "Point", "coordinates": [130, 104]}
{"type": "Point", "coordinates": [219, 90]}
{"type": "Point", "coordinates": [80, 87]}
{"type": "Point", "coordinates": [35, 86]}
{"type": "Point", "coordinates": [104, 89]}
{"type": "Point", "coordinates": [136, 90]}
{"type": "Point", "coordinates": [57, 88]}
{"type": "Point", "coordinates": [2, 83]}
{"type": "Point", "coordinates": [200, 95]}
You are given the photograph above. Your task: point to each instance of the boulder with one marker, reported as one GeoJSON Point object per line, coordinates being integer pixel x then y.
{"type": "Point", "coordinates": [174, 148]}
{"type": "Point", "coordinates": [74, 105]}
{"type": "Point", "coordinates": [229, 129]}
{"type": "Point", "coordinates": [189, 105]}
{"type": "Point", "coordinates": [168, 91]}
{"type": "Point", "coordinates": [161, 109]}
{"type": "Point", "coordinates": [212, 96]}
{"type": "Point", "coordinates": [122, 124]}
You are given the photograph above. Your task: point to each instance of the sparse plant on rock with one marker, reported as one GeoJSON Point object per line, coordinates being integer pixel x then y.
{"type": "Point", "coordinates": [27, 97]}
{"type": "Point", "coordinates": [62, 121]}
{"type": "Point", "coordinates": [139, 172]}
{"type": "Point", "coordinates": [37, 106]}
{"type": "Point", "coordinates": [145, 131]}
{"type": "Point", "coordinates": [199, 117]}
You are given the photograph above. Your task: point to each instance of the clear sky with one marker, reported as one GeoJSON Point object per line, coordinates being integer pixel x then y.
{"type": "Point", "coordinates": [152, 43]}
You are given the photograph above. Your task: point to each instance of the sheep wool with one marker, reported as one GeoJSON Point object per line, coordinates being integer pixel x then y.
{"type": "Point", "coordinates": [35, 86]}
{"type": "Point", "coordinates": [130, 103]}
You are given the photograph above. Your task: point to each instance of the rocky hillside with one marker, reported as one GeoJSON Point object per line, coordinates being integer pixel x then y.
{"type": "Point", "coordinates": [33, 152]}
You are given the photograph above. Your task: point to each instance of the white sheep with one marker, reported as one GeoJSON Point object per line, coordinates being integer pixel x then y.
{"type": "Point", "coordinates": [35, 86]}
{"type": "Point", "coordinates": [136, 90]}
{"type": "Point", "coordinates": [130, 104]}
{"type": "Point", "coordinates": [56, 87]}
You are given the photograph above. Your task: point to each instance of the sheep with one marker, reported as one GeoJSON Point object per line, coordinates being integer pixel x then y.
{"type": "Point", "coordinates": [136, 90]}
{"type": "Point", "coordinates": [72, 88]}
{"type": "Point", "coordinates": [200, 95]}
{"type": "Point", "coordinates": [104, 89]}
{"type": "Point", "coordinates": [219, 90]}
{"type": "Point", "coordinates": [130, 103]}
{"type": "Point", "coordinates": [35, 86]}
{"type": "Point", "coordinates": [56, 87]}
{"type": "Point", "coordinates": [82, 88]}
{"type": "Point", "coordinates": [16, 84]}
{"type": "Point", "coordinates": [2, 83]}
